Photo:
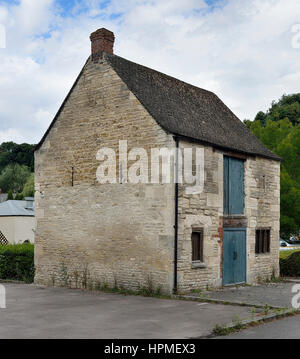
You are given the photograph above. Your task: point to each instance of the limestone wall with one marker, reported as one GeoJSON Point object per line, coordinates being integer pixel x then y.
{"type": "Point", "coordinates": [108, 233]}
{"type": "Point", "coordinates": [205, 210]}
{"type": "Point", "coordinates": [262, 201]}
{"type": "Point", "coordinates": [123, 234]}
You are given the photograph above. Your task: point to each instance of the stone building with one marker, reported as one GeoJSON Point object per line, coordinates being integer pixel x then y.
{"type": "Point", "coordinates": [159, 235]}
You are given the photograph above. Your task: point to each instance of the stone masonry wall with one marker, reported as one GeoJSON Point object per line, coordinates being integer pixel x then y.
{"type": "Point", "coordinates": [123, 234]}
{"type": "Point", "coordinates": [95, 234]}
{"type": "Point", "coordinates": [262, 202]}
{"type": "Point", "coordinates": [205, 210]}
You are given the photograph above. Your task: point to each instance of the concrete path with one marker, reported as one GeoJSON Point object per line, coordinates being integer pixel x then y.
{"type": "Point", "coordinates": [287, 328]}
{"type": "Point", "coordinates": [273, 294]}
{"type": "Point", "coordinates": [35, 312]}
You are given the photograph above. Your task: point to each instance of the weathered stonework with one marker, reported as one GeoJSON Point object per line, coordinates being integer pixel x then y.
{"type": "Point", "coordinates": [123, 234]}
{"type": "Point", "coordinates": [262, 210]}
{"type": "Point", "coordinates": [203, 210]}
{"type": "Point", "coordinates": [110, 233]}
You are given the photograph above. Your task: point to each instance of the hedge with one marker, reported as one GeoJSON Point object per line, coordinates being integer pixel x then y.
{"type": "Point", "coordinates": [290, 266]}
{"type": "Point", "coordinates": [17, 262]}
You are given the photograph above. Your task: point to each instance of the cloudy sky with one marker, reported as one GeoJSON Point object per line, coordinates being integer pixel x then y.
{"type": "Point", "coordinates": [247, 52]}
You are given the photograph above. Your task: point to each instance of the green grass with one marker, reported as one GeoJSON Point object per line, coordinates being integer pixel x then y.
{"type": "Point", "coordinates": [144, 291]}
{"type": "Point", "coordinates": [223, 330]}
{"type": "Point", "coordinates": [285, 254]}
{"type": "Point", "coordinates": [220, 330]}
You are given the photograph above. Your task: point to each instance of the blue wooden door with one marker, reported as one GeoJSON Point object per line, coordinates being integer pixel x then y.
{"type": "Point", "coordinates": [234, 256]}
{"type": "Point", "coordinates": [233, 186]}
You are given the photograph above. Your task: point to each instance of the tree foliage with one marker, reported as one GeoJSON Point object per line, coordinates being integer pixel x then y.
{"type": "Point", "coordinates": [11, 152]}
{"type": "Point", "coordinates": [288, 106]}
{"type": "Point", "coordinates": [10, 195]}
{"type": "Point", "coordinates": [19, 197]}
{"type": "Point", "coordinates": [14, 177]}
{"type": "Point", "coordinates": [16, 164]}
{"type": "Point", "coordinates": [28, 190]}
{"type": "Point", "coordinates": [279, 130]}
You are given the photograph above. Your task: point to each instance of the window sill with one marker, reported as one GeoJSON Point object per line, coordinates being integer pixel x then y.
{"type": "Point", "coordinates": [198, 264]}
{"type": "Point", "coordinates": [226, 215]}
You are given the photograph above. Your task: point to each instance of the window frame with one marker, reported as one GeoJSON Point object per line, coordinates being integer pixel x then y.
{"type": "Point", "coordinates": [200, 233]}
{"type": "Point", "coordinates": [263, 241]}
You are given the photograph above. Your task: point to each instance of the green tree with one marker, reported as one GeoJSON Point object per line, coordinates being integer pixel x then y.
{"type": "Point", "coordinates": [11, 152]}
{"type": "Point", "coordinates": [19, 197]}
{"type": "Point", "coordinates": [290, 205]}
{"type": "Point", "coordinates": [14, 177]}
{"type": "Point", "coordinates": [279, 130]}
{"type": "Point", "coordinates": [261, 117]}
{"type": "Point", "coordinates": [10, 195]}
{"type": "Point", "coordinates": [288, 106]}
{"type": "Point", "coordinates": [28, 190]}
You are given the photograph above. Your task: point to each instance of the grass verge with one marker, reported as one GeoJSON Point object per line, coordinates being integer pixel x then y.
{"type": "Point", "coordinates": [224, 330]}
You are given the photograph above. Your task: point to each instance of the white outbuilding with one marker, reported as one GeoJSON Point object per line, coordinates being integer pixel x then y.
{"type": "Point", "coordinates": [17, 221]}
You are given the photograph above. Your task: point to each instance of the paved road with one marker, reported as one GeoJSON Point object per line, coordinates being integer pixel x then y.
{"type": "Point", "coordinates": [287, 328]}
{"type": "Point", "coordinates": [34, 312]}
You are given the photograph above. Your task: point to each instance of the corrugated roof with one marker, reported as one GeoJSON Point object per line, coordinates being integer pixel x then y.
{"type": "Point", "coordinates": [15, 208]}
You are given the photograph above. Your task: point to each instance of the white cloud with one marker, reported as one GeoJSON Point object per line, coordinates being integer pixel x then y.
{"type": "Point", "coordinates": [242, 51]}
{"type": "Point", "coordinates": [33, 17]}
{"type": "Point", "coordinates": [11, 133]}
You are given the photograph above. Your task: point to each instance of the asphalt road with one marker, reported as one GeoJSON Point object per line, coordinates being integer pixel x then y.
{"type": "Point", "coordinates": [287, 328]}
{"type": "Point", "coordinates": [37, 312]}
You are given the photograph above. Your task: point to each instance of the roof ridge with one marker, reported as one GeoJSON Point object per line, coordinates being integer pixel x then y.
{"type": "Point", "coordinates": [187, 110]}
{"type": "Point", "coordinates": [181, 109]}
{"type": "Point", "coordinates": [107, 55]}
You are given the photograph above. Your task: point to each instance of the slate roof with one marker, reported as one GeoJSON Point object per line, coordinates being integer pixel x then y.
{"type": "Point", "coordinates": [186, 110]}
{"type": "Point", "coordinates": [183, 109]}
{"type": "Point", "coordinates": [15, 209]}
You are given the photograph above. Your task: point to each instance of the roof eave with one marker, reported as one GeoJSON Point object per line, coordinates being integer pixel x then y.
{"type": "Point", "coordinates": [17, 215]}
{"type": "Point", "coordinates": [227, 148]}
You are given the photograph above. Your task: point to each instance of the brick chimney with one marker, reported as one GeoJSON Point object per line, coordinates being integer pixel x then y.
{"type": "Point", "coordinates": [102, 41]}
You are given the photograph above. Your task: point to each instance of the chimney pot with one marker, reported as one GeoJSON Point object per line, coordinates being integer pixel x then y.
{"type": "Point", "coordinates": [102, 41]}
